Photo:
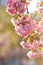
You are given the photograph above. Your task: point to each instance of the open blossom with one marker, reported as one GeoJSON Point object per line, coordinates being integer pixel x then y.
{"type": "Point", "coordinates": [34, 55]}
{"type": "Point", "coordinates": [24, 26]}
{"type": "Point", "coordinates": [16, 6]}
{"type": "Point", "coordinates": [33, 46]}
{"type": "Point", "coordinates": [40, 27]}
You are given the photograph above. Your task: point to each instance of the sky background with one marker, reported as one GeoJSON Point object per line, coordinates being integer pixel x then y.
{"type": "Point", "coordinates": [2, 2]}
{"type": "Point", "coordinates": [32, 6]}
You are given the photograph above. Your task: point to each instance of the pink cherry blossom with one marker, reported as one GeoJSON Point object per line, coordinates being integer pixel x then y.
{"type": "Point", "coordinates": [35, 44]}
{"type": "Point", "coordinates": [16, 7]}
{"type": "Point", "coordinates": [33, 55]}
{"type": "Point", "coordinates": [25, 45]}
{"type": "Point", "coordinates": [24, 26]}
{"type": "Point", "coordinates": [40, 27]}
{"type": "Point", "coordinates": [34, 47]}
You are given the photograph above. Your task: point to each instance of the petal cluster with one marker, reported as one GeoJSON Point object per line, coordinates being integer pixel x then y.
{"type": "Point", "coordinates": [34, 47]}
{"type": "Point", "coordinates": [40, 27]}
{"type": "Point", "coordinates": [34, 55]}
{"type": "Point", "coordinates": [24, 26]}
{"type": "Point", "coordinates": [16, 6]}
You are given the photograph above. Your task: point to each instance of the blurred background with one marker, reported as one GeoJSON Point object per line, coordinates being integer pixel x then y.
{"type": "Point", "coordinates": [11, 52]}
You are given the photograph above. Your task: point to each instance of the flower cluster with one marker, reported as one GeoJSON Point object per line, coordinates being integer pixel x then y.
{"type": "Point", "coordinates": [34, 48]}
{"type": "Point", "coordinates": [24, 26]}
{"type": "Point", "coordinates": [27, 27]}
{"type": "Point", "coordinates": [16, 6]}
